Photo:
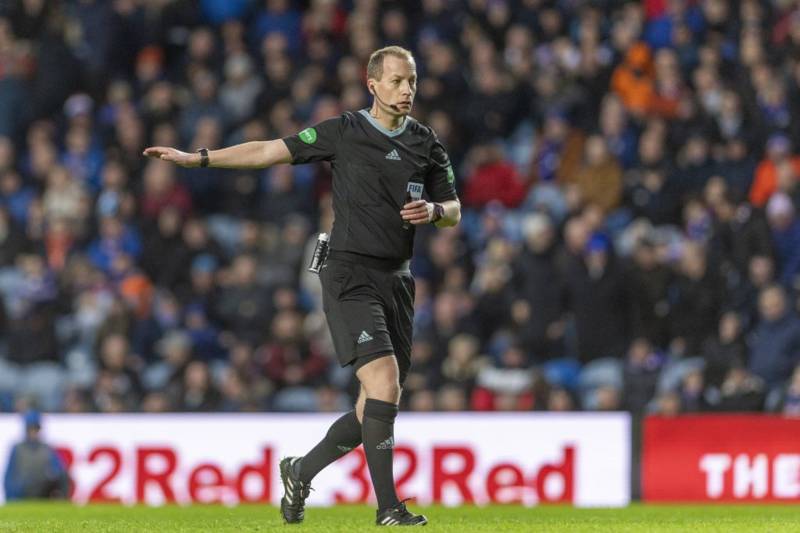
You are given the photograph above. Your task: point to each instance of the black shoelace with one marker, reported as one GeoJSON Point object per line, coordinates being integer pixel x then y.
{"type": "Point", "coordinates": [401, 507]}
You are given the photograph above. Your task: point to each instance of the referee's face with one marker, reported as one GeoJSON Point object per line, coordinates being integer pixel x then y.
{"type": "Point", "coordinates": [396, 89]}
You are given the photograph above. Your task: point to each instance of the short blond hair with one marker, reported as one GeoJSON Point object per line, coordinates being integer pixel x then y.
{"type": "Point", "coordinates": [375, 64]}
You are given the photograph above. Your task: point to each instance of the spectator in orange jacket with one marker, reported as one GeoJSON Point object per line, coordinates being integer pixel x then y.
{"type": "Point", "coordinates": [634, 79]}
{"type": "Point", "coordinates": [766, 179]}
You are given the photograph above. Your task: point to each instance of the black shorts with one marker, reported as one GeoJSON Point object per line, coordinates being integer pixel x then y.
{"type": "Point", "coordinates": [369, 305]}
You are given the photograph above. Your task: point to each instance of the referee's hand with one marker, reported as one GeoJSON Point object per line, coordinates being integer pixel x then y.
{"type": "Point", "coordinates": [172, 155]}
{"type": "Point", "coordinates": [417, 212]}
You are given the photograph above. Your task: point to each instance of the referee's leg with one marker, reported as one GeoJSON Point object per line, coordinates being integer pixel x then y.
{"type": "Point", "coordinates": [297, 472]}
{"type": "Point", "coordinates": [380, 381]}
{"type": "Point", "coordinates": [382, 378]}
{"type": "Point", "coordinates": [377, 407]}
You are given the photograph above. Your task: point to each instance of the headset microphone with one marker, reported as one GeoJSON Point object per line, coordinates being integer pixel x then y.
{"type": "Point", "coordinates": [394, 107]}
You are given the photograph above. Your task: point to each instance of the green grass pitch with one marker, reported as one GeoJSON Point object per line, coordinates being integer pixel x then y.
{"type": "Point", "coordinates": [54, 517]}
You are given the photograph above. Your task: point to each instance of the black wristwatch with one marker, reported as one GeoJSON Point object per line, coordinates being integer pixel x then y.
{"type": "Point", "coordinates": [203, 157]}
{"type": "Point", "coordinates": [438, 212]}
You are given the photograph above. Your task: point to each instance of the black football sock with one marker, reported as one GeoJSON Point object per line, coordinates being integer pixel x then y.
{"type": "Point", "coordinates": [377, 431]}
{"type": "Point", "coordinates": [343, 436]}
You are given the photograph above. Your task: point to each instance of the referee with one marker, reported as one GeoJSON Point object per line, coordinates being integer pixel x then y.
{"type": "Point", "coordinates": [377, 155]}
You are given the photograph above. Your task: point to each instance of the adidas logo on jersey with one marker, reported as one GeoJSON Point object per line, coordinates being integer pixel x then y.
{"type": "Point", "coordinates": [364, 337]}
{"type": "Point", "coordinates": [393, 155]}
{"type": "Point", "coordinates": [388, 444]}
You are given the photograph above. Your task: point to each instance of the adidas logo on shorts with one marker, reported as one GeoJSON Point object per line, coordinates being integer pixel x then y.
{"type": "Point", "coordinates": [393, 155]}
{"type": "Point", "coordinates": [364, 337]}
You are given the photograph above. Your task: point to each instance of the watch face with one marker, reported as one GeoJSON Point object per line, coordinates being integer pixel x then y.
{"type": "Point", "coordinates": [438, 212]}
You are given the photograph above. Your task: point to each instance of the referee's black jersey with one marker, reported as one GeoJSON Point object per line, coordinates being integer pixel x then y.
{"type": "Point", "coordinates": [371, 170]}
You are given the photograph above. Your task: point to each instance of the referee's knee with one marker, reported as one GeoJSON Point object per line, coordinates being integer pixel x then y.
{"type": "Point", "coordinates": [384, 390]}
{"type": "Point", "coordinates": [381, 379]}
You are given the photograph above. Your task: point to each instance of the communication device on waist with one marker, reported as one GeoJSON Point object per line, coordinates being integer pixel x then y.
{"type": "Point", "coordinates": [320, 253]}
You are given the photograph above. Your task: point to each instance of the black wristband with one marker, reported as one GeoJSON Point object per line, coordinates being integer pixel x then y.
{"type": "Point", "coordinates": [438, 212]}
{"type": "Point", "coordinates": [203, 157]}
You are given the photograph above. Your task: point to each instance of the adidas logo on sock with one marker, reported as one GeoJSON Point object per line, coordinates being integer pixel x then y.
{"type": "Point", "coordinates": [344, 449]}
{"type": "Point", "coordinates": [393, 155]}
{"type": "Point", "coordinates": [364, 337]}
{"type": "Point", "coordinates": [388, 444]}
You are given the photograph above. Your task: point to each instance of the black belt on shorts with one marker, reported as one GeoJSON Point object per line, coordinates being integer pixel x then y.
{"type": "Point", "coordinates": [378, 263]}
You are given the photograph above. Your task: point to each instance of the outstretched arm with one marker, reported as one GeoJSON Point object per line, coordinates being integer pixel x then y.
{"type": "Point", "coordinates": [255, 154]}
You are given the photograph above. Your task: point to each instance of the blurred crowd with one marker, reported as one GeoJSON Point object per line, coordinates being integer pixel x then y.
{"type": "Point", "coordinates": [628, 173]}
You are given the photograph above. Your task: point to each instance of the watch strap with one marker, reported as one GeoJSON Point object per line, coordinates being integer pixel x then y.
{"type": "Point", "coordinates": [438, 212]}
{"type": "Point", "coordinates": [204, 161]}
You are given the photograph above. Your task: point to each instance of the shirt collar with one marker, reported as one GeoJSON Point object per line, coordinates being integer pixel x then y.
{"type": "Point", "coordinates": [378, 126]}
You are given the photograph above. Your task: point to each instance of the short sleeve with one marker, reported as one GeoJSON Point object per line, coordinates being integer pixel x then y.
{"type": "Point", "coordinates": [440, 181]}
{"type": "Point", "coordinates": [315, 143]}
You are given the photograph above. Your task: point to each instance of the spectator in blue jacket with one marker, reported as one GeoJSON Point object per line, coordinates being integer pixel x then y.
{"type": "Point", "coordinates": [34, 469]}
{"type": "Point", "coordinates": [785, 228]}
{"type": "Point", "coordinates": [775, 342]}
